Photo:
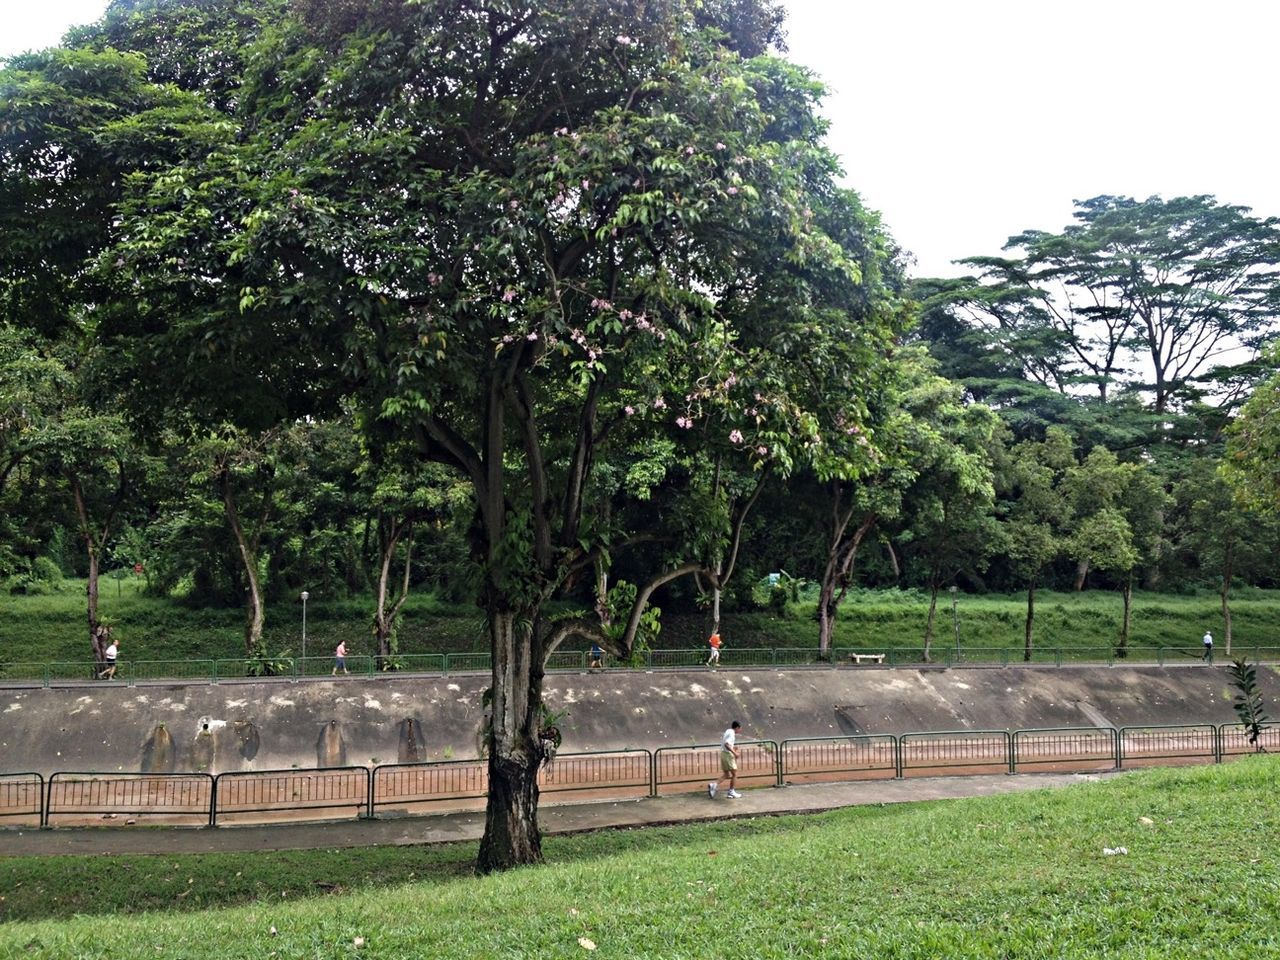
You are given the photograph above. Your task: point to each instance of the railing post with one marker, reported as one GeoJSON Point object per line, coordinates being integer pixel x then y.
{"type": "Point", "coordinates": [653, 772]}
{"type": "Point", "coordinates": [777, 763]}
{"type": "Point", "coordinates": [897, 757]}
{"type": "Point", "coordinates": [368, 795]}
{"type": "Point", "coordinates": [1013, 750]}
{"type": "Point", "coordinates": [1117, 738]}
{"type": "Point", "coordinates": [46, 797]}
{"type": "Point", "coordinates": [213, 802]}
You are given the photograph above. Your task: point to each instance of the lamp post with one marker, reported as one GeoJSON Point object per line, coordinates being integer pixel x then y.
{"type": "Point", "coordinates": [955, 619]}
{"type": "Point", "coordinates": [305, 597]}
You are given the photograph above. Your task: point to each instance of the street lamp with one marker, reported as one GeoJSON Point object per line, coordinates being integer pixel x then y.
{"type": "Point", "coordinates": [305, 597]}
{"type": "Point", "coordinates": [955, 618]}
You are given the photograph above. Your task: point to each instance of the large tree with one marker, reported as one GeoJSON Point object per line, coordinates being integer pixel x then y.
{"type": "Point", "coordinates": [1154, 295]}
{"type": "Point", "coordinates": [522, 234]}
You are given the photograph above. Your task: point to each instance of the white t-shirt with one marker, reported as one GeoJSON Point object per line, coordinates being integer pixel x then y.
{"type": "Point", "coordinates": [112, 651]}
{"type": "Point", "coordinates": [1208, 640]}
{"type": "Point", "coordinates": [728, 739]}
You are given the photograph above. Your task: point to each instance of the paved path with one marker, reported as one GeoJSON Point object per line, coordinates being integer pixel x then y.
{"type": "Point", "coordinates": [561, 818]}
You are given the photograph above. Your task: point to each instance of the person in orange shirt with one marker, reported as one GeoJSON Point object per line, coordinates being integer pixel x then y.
{"type": "Point", "coordinates": [714, 659]}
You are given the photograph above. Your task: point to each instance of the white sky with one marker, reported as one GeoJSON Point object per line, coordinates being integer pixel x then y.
{"type": "Point", "coordinates": [966, 121]}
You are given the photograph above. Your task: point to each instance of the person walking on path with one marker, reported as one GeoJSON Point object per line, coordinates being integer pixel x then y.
{"type": "Point", "coordinates": [729, 754]}
{"type": "Point", "coordinates": [714, 642]}
{"type": "Point", "coordinates": [340, 658]}
{"type": "Point", "coordinates": [109, 660]}
{"type": "Point", "coordinates": [1208, 647]}
{"type": "Point", "coordinates": [597, 657]}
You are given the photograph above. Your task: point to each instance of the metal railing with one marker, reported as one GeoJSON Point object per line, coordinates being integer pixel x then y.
{"type": "Point", "coordinates": [341, 792]}
{"type": "Point", "coordinates": [268, 792]}
{"type": "Point", "coordinates": [22, 796]}
{"type": "Point", "coordinates": [64, 673]}
{"type": "Point", "coordinates": [180, 797]}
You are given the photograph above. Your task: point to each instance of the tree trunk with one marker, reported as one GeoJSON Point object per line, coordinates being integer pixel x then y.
{"type": "Point", "coordinates": [928, 627]}
{"type": "Point", "coordinates": [1082, 574]}
{"type": "Point", "coordinates": [1031, 615]}
{"type": "Point", "coordinates": [1227, 573]}
{"type": "Point", "coordinates": [511, 834]}
{"type": "Point", "coordinates": [384, 619]}
{"type": "Point", "coordinates": [97, 639]}
{"type": "Point", "coordinates": [826, 612]}
{"type": "Point", "coordinates": [249, 563]}
{"type": "Point", "coordinates": [1128, 612]}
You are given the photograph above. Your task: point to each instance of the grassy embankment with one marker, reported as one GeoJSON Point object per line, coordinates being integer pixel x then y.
{"type": "Point", "coordinates": [1017, 876]}
{"type": "Point", "coordinates": [51, 627]}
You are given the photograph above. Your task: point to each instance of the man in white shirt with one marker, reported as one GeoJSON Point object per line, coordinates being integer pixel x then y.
{"type": "Point", "coordinates": [1208, 647]}
{"type": "Point", "coordinates": [109, 661]}
{"type": "Point", "coordinates": [729, 754]}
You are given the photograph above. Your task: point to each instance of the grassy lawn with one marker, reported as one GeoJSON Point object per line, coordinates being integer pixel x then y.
{"type": "Point", "coordinates": [1016, 876]}
{"type": "Point", "coordinates": [52, 627]}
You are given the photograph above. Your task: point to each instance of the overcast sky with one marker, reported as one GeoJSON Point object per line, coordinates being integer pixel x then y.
{"type": "Point", "coordinates": [966, 121]}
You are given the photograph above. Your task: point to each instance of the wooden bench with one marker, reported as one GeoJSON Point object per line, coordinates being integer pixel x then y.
{"type": "Point", "coordinates": [869, 657]}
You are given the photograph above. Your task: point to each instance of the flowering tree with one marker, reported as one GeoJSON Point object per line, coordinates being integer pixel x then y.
{"type": "Point", "coordinates": [535, 240]}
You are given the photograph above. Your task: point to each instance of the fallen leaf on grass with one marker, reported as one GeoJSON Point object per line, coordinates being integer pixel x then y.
{"type": "Point", "coordinates": [358, 942]}
{"type": "Point", "coordinates": [1147, 821]}
{"type": "Point", "coordinates": [586, 944]}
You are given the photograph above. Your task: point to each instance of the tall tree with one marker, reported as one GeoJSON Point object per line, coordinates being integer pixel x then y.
{"type": "Point", "coordinates": [1152, 294]}
{"type": "Point", "coordinates": [511, 228]}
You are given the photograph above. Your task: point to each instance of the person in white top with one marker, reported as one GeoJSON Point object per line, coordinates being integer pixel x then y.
{"type": "Point", "coordinates": [729, 754]}
{"type": "Point", "coordinates": [109, 661]}
{"type": "Point", "coordinates": [1208, 647]}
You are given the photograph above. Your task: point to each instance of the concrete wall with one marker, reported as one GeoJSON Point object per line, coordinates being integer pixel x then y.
{"type": "Point", "coordinates": [279, 724]}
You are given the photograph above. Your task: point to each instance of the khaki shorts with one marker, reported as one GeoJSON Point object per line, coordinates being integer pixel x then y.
{"type": "Point", "coordinates": [728, 761]}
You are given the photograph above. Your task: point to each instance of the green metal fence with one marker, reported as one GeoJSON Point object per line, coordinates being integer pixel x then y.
{"type": "Point", "coordinates": [76, 672]}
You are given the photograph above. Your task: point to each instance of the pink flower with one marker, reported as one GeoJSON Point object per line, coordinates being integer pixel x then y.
{"type": "Point", "coordinates": [735, 436]}
{"type": "Point", "coordinates": [434, 279]}
{"type": "Point", "coordinates": [688, 151]}
{"type": "Point", "coordinates": [508, 296]}
{"type": "Point", "coordinates": [532, 336]}
{"type": "Point", "coordinates": [659, 404]}
{"type": "Point", "coordinates": [586, 184]}
{"type": "Point", "coordinates": [629, 410]}
{"type": "Point", "coordinates": [624, 314]}
{"type": "Point", "coordinates": [684, 423]}
{"type": "Point", "coordinates": [732, 191]}
{"type": "Point", "coordinates": [293, 192]}
{"type": "Point", "coordinates": [514, 205]}
{"type": "Point", "coordinates": [720, 146]}
{"type": "Point", "coordinates": [762, 450]}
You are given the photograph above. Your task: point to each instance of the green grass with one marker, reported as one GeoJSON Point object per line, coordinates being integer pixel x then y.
{"type": "Point", "coordinates": [1015, 876]}
{"type": "Point", "coordinates": [52, 627]}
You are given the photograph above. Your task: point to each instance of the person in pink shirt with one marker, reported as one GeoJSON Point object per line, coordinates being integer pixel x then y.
{"type": "Point", "coordinates": [340, 658]}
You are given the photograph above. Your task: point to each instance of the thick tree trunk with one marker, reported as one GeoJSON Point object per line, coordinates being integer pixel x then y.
{"type": "Point", "coordinates": [1031, 615]}
{"type": "Point", "coordinates": [511, 834]}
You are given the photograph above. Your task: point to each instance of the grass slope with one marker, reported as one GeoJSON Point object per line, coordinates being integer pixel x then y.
{"type": "Point", "coordinates": [52, 627]}
{"type": "Point", "coordinates": [1018, 876]}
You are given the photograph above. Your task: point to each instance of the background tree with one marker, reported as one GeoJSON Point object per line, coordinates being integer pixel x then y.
{"type": "Point", "coordinates": [1152, 293]}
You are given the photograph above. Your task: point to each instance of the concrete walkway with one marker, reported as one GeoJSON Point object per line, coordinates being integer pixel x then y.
{"type": "Point", "coordinates": [558, 819]}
